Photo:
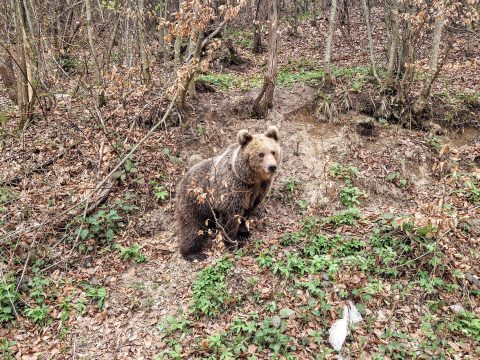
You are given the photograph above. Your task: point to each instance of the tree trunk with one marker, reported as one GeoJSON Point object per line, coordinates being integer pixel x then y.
{"type": "Point", "coordinates": [112, 43]}
{"type": "Point", "coordinates": [470, 40]}
{"type": "Point", "coordinates": [421, 103]}
{"type": "Point", "coordinates": [195, 48]}
{"type": "Point", "coordinates": [96, 67]}
{"type": "Point", "coordinates": [7, 75]}
{"type": "Point", "coordinates": [314, 12]}
{"type": "Point", "coordinates": [366, 12]}
{"type": "Point", "coordinates": [166, 46]}
{"type": "Point", "coordinates": [328, 48]}
{"type": "Point", "coordinates": [257, 36]}
{"type": "Point", "coordinates": [178, 44]}
{"type": "Point", "coordinates": [392, 52]}
{"type": "Point", "coordinates": [264, 100]}
{"type": "Point", "coordinates": [145, 65]}
{"type": "Point", "coordinates": [24, 76]}
{"type": "Point", "coordinates": [114, 36]}
{"type": "Point", "coordinates": [295, 18]}
{"type": "Point", "coordinates": [437, 37]}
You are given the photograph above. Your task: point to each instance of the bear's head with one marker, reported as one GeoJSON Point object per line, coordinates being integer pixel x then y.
{"type": "Point", "coordinates": [261, 152]}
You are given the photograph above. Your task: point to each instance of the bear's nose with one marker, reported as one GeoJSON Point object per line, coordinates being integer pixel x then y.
{"type": "Point", "coordinates": [272, 168]}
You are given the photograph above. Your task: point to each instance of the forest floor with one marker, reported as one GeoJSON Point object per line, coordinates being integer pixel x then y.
{"type": "Point", "coordinates": [362, 210]}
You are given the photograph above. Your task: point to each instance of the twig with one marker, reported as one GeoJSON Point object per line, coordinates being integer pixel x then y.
{"type": "Point", "coordinates": [220, 226]}
{"type": "Point", "coordinates": [215, 32]}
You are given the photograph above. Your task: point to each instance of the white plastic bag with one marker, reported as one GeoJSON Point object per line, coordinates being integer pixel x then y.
{"type": "Point", "coordinates": [341, 328]}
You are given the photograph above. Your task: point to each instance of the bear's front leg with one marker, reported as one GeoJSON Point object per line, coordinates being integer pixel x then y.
{"type": "Point", "coordinates": [243, 233]}
{"type": "Point", "coordinates": [192, 239]}
{"type": "Point", "coordinates": [230, 225]}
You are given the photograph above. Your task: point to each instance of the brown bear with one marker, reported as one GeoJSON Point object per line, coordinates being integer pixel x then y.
{"type": "Point", "coordinates": [221, 192]}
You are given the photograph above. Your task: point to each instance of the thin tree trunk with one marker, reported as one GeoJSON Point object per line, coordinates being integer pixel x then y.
{"type": "Point", "coordinates": [470, 40]}
{"type": "Point", "coordinates": [257, 36]}
{"type": "Point", "coordinates": [145, 65]}
{"type": "Point", "coordinates": [436, 39]}
{"type": "Point", "coordinates": [366, 12]}
{"type": "Point", "coordinates": [195, 47]}
{"type": "Point", "coordinates": [189, 76]}
{"type": "Point", "coordinates": [295, 18]}
{"type": "Point", "coordinates": [314, 12]}
{"type": "Point", "coordinates": [112, 43]}
{"type": "Point", "coordinates": [328, 48]}
{"type": "Point", "coordinates": [24, 73]}
{"type": "Point", "coordinates": [176, 50]}
{"type": "Point", "coordinates": [166, 46]}
{"type": "Point", "coordinates": [128, 52]}
{"type": "Point", "coordinates": [178, 44]}
{"type": "Point", "coordinates": [392, 52]}
{"type": "Point", "coordinates": [96, 67]}
{"type": "Point", "coordinates": [7, 75]}
{"type": "Point", "coordinates": [264, 100]}
{"type": "Point", "coordinates": [421, 102]}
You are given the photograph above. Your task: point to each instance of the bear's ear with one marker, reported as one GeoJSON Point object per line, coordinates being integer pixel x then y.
{"type": "Point", "coordinates": [244, 137]}
{"type": "Point", "coordinates": [272, 132]}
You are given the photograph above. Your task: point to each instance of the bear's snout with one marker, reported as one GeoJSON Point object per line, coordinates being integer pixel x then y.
{"type": "Point", "coordinates": [272, 168]}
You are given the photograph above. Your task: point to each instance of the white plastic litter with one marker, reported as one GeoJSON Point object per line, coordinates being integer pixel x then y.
{"type": "Point", "coordinates": [341, 328]}
{"type": "Point", "coordinates": [457, 308]}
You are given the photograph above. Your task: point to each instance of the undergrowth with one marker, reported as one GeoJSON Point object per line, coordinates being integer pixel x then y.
{"type": "Point", "coordinates": [341, 256]}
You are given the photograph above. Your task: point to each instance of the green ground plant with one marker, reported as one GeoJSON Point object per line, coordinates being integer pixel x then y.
{"type": "Point", "coordinates": [160, 192]}
{"type": "Point", "coordinates": [133, 252]}
{"type": "Point", "coordinates": [209, 290]}
{"type": "Point", "coordinates": [97, 294]}
{"type": "Point", "coordinates": [6, 349]}
{"type": "Point", "coordinates": [8, 299]}
{"type": "Point", "coordinates": [102, 226]}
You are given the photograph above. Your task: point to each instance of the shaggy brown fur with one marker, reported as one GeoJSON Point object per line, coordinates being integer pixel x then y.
{"type": "Point", "coordinates": [223, 191]}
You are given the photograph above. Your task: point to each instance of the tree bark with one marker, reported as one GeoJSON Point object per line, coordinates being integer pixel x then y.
{"type": "Point", "coordinates": [470, 40]}
{"type": "Point", "coordinates": [328, 48]}
{"type": "Point", "coordinates": [112, 43]}
{"type": "Point", "coordinates": [314, 12]}
{"type": "Point", "coordinates": [437, 37]}
{"type": "Point", "coordinates": [264, 100]}
{"type": "Point", "coordinates": [96, 67]}
{"type": "Point", "coordinates": [145, 65]}
{"type": "Point", "coordinates": [366, 12]}
{"type": "Point", "coordinates": [7, 75]}
{"type": "Point", "coordinates": [392, 52]}
{"type": "Point", "coordinates": [421, 102]}
{"type": "Point", "coordinates": [163, 32]}
{"type": "Point", "coordinates": [178, 44]}
{"type": "Point", "coordinates": [24, 75]}
{"type": "Point", "coordinates": [257, 36]}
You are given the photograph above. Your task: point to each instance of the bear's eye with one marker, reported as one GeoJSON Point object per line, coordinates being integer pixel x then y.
{"type": "Point", "coordinates": [273, 153]}
{"type": "Point", "coordinates": [261, 155]}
